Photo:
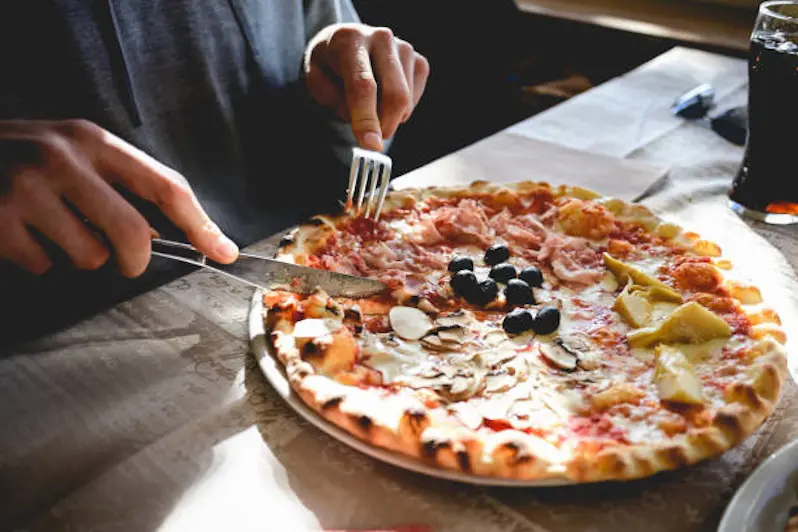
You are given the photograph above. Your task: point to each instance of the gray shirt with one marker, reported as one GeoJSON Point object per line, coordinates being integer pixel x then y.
{"type": "Point", "coordinates": [209, 87]}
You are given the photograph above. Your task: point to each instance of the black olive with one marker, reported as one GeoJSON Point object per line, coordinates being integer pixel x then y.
{"type": "Point", "coordinates": [486, 292]}
{"type": "Point", "coordinates": [496, 254]}
{"type": "Point", "coordinates": [532, 275]}
{"type": "Point", "coordinates": [517, 321]}
{"type": "Point", "coordinates": [460, 263]}
{"type": "Point", "coordinates": [464, 283]}
{"type": "Point", "coordinates": [546, 320]}
{"type": "Point", "coordinates": [519, 293]}
{"type": "Point", "coordinates": [503, 272]}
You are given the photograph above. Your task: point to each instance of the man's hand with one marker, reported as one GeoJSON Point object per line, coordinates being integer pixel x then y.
{"type": "Point", "coordinates": [53, 175]}
{"type": "Point", "coordinates": [367, 76]}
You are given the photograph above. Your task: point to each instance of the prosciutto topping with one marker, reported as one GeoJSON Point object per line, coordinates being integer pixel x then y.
{"type": "Point", "coordinates": [424, 240]}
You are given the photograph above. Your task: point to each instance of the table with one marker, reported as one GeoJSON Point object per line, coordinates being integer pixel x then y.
{"type": "Point", "coordinates": [153, 415]}
{"type": "Point", "coordinates": [690, 21]}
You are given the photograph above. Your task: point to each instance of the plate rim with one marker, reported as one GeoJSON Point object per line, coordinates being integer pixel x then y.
{"type": "Point", "coordinates": [740, 513]}
{"type": "Point", "coordinates": [275, 375]}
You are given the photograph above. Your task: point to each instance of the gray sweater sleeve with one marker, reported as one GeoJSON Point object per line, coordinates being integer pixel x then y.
{"type": "Point", "coordinates": [321, 13]}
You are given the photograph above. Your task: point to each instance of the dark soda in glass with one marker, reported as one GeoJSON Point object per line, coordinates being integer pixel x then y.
{"type": "Point", "coordinates": [766, 185]}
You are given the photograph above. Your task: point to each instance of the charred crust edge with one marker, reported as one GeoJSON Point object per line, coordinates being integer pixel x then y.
{"type": "Point", "coordinates": [331, 403]}
{"type": "Point", "coordinates": [364, 422]}
{"type": "Point", "coordinates": [464, 460]}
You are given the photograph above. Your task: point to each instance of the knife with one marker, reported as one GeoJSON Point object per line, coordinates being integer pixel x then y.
{"type": "Point", "coordinates": [266, 273]}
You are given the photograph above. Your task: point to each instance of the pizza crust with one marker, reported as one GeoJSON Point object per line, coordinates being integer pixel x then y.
{"type": "Point", "coordinates": [403, 423]}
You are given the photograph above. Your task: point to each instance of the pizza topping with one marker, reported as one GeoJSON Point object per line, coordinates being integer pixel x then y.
{"type": "Point", "coordinates": [487, 290]}
{"type": "Point", "coordinates": [503, 272]}
{"type": "Point", "coordinates": [467, 414]}
{"type": "Point", "coordinates": [492, 358]}
{"type": "Point", "coordinates": [460, 263]}
{"type": "Point", "coordinates": [532, 276]}
{"type": "Point", "coordinates": [690, 323]}
{"type": "Point", "coordinates": [588, 219]}
{"type": "Point", "coordinates": [457, 318]}
{"type": "Point", "coordinates": [547, 320]}
{"type": "Point", "coordinates": [559, 356]}
{"type": "Point", "coordinates": [518, 321]}
{"type": "Point", "coordinates": [464, 283]}
{"type": "Point", "coordinates": [499, 382]}
{"type": "Point", "coordinates": [633, 306]}
{"type": "Point", "coordinates": [409, 322]}
{"type": "Point", "coordinates": [496, 254]}
{"type": "Point", "coordinates": [626, 272]}
{"type": "Point", "coordinates": [675, 378]}
{"type": "Point", "coordinates": [697, 276]}
{"type": "Point", "coordinates": [616, 394]}
{"type": "Point", "coordinates": [315, 327]}
{"type": "Point", "coordinates": [518, 293]}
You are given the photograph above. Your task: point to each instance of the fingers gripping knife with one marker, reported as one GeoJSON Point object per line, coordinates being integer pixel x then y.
{"type": "Point", "coordinates": [265, 273]}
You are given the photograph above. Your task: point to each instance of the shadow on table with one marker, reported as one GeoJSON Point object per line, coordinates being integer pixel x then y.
{"type": "Point", "coordinates": [344, 488]}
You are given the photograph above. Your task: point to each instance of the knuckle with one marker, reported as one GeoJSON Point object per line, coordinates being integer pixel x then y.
{"type": "Point", "coordinates": [344, 37]}
{"type": "Point", "coordinates": [396, 99]}
{"type": "Point", "coordinates": [405, 48]}
{"type": "Point", "coordinates": [79, 129]}
{"type": "Point", "coordinates": [173, 193]}
{"type": "Point", "coordinates": [52, 148]}
{"type": "Point", "coordinates": [382, 35]}
{"type": "Point", "coordinates": [364, 86]}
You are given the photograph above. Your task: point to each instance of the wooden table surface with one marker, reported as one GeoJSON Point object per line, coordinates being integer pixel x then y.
{"type": "Point", "coordinates": [153, 415]}
{"type": "Point", "coordinates": [687, 21]}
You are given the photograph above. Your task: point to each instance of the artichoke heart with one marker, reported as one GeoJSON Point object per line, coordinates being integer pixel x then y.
{"type": "Point", "coordinates": [635, 302]}
{"type": "Point", "coordinates": [690, 323]}
{"type": "Point", "coordinates": [633, 305]}
{"type": "Point", "coordinates": [674, 377]}
{"type": "Point", "coordinates": [624, 272]}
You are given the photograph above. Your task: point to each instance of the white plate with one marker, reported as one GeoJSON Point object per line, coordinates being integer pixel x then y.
{"type": "Point", "coordinates": [763, 502]}
{"type": "Point", "coordinates": [275, 374]}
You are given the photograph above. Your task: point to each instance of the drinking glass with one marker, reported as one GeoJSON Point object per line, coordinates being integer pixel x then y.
{"type": "Point", "coordinates": [766, 184]}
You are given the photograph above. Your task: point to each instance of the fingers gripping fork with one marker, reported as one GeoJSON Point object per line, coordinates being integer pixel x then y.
{"type": "Point", "coordinates": [369, 169]}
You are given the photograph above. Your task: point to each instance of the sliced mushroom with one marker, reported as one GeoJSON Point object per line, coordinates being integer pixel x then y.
{"type": "Point", "coordinates": [417, 381]}
{"type": "Point", "coordinates": [427, 306]}
{"type": "Point", "coordinates": [467, 414]}
{"type": "Point", "coordinates": [495, 338]}
{"type": "Point", "coordinates": [433, 341]}
{"type": "Point", "coordinates": [464, 385]}
{"type": "Point", "coordinates": [409, 323]}
{"type": "Point", "coordinates": [460, 385]}
{"type": "Point", "coordinates": [453, 334]}
{"type": "Point", "coordinates": [494, 357]}
{"type": "Point", "coordinates": [315, 327]}
{"type": "Point", "coordinates": [499, 382]}
{"type": "Point", "coordinates": [456, 318]}
{"type": "Point", "coordinates": [559, 356]}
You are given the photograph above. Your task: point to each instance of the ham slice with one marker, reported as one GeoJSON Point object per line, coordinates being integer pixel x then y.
{"type": "Point", "coordinates": [571, 259]}
{"type": "Point", "coordinates": [466, 223]}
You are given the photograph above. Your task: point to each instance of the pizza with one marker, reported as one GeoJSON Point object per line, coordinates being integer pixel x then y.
{"type": "Point", "coordinates": [529, 331]}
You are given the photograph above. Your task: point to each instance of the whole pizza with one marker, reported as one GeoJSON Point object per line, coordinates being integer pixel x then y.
{"type": "Point", "coordinates": [529, 332]}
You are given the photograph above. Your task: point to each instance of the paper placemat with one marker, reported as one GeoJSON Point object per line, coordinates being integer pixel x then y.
{"type": "Point", "coordinates": [507, 157]}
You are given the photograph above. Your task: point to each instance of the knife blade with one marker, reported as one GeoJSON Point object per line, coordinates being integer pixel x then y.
{"type": "Point", "coordinates": [267, 273]}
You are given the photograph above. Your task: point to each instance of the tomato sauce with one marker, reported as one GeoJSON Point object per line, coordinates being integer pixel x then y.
{"type": "Point", "coordinates": [597, 426]}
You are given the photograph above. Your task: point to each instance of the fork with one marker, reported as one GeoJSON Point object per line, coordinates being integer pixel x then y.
{"type": "Point", "coordinates": [368, 168]}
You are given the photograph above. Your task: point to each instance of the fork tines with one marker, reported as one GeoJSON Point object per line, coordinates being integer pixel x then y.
{"type": "Point", "coordinates": [369, 168]}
